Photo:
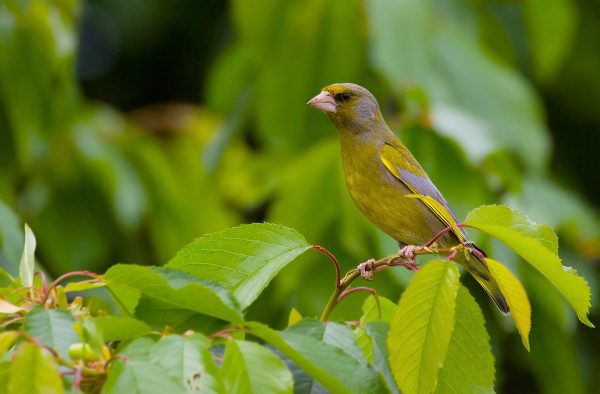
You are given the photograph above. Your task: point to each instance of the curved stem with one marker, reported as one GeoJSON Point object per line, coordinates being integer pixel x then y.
{"type": "Point", "coordinates": [333, 260]}
{"type": "Point", "coordinates": [387, 261]}
{"type": "Point", "coordinates": [57, 281]}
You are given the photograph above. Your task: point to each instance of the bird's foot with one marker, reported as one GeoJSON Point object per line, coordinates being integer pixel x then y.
{"type": "Point", "coordinates": [408, 258]}
{"type": "Point", "coordinates": [366, 269]}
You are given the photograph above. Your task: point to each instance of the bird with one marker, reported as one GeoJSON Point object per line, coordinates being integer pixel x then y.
{"type": "Point", "coordinates": [391, 188]}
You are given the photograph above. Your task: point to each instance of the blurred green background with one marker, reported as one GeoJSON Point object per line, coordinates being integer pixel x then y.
{"type": "Point", "coordinates": [127, 129]}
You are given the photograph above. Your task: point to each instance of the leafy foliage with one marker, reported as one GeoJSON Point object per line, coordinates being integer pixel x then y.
{"type": "Point", "coordinates": [434, 340]}
{"type": "Point", "coordinates": [465, 84]}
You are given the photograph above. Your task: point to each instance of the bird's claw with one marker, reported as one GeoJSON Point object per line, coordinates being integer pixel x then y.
{"type": "Point", "coordinates": [366, 269]}
{"type": "Point", "coordinates": [407, 255]}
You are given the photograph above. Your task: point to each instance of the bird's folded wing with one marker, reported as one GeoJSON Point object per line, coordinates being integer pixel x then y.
{"type": "Point", "coordinates": [404, 167]}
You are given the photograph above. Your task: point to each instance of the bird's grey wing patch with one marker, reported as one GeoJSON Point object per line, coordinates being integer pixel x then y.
{"type": "Point", "coordinates": [424, 186]}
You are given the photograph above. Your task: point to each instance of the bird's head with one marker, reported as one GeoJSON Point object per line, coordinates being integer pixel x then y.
{"type": "Point", "coordinates": [350, 106]}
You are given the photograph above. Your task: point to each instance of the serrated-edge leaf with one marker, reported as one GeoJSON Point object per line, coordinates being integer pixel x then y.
{"type": "Point", "coordinates": [53, 328]}
{"type": "Point", "coordinates": [190, 292]}
{"type": "Point", "coordinates": [230, 257]}
{"type": "Point", "coordinates": [469, 363]}
{"type": "Point", "coordinates": [139, 377]}
{"type": "Point", "coordinates": [252, 368]}
{"type": "Point", "coordinates": [327, 377]}
{"type": "Point", "coordinates": [27, 263]}
{"type": "Point", "coordinates": [516, 297]}
{"type": "Point", "coordinates": [542, 257]}
{"type": "Point", "coordinates": [188, 359]}
{"type": "Point", "coordinates": [422, 325]}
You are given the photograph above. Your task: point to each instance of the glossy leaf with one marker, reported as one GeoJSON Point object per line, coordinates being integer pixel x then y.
{"type": "Point", "coordinates": [251, 368]}
{"type": "Point", "coordinates": [330, 366]}
{"type": "Point", "coordinates": [178, 289]}
{"type": "Point", "coordinates": [243, 259]}
{"type": "Point", "coordinates": [422, 325]}
{"type": "Point", "coordinates": [469, 364]}
{"type": "Point", "coordinates": [53, 328]}
{"type": "Point", "coordinates": [516, 297]}
{"type": "Point", "coordinates": [538, 246]}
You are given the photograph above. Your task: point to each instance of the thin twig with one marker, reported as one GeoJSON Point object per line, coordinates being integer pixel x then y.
{"type": "Point", "coordinates": [333, 260]}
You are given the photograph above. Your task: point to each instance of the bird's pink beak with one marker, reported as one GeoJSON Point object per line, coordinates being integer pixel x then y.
{"type": "Point", "coordinates": [323, 101]}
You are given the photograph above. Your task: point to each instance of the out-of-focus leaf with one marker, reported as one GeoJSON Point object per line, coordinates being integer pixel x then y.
{"type": "Point", "coordinates": [308, 200]}
{"type": "Point", "coordinates": [422, 325]}
{"type": "Point", "coordinates": [176, 288]}
{"type": "Point", "coordinates": [370, 310]}
{"type": "Point", "coordinates": [469, 364]}
{"type": "Point", "coordinates": [551, 28]}
{"type": "Point", "coordinates": [538, 246]}
{"type": "Point", "coordinates": [468, 92]}
{"type": "Point", "coordinates": [7, 339]}
{"type": "Point", "coordinates": [11, 240]}
{"type": "Point", "coordinates": [119, 328]}
{"type": "Point", "coordinates": [516, 298]}
{"type": "Point", "coordinates": [83, 285]}
{"type": "Point", "coordinates": [251, 368]}
{"type": "Point", "coordinates": [331, 366]}
{"type": "Point", "coordinates": [298, 43]}
{"type": "Point", "coordinates": [555, 360]}
{"type": "Point", "coordinates": [33, 370]}
{"type": "Point", "coordinates": [53, 328]}
{"type": "Point", "coordinates": [7, 307]}
{"type": "Point", "coordinates": [243, 259]}
{"type": "Point", "coordinates": [27, 265]}
{"type": "Point", "coordinates": [547, 202]}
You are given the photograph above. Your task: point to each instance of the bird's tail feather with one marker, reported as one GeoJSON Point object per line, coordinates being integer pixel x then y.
{"type": "Point", "coordinates": [477, 267]}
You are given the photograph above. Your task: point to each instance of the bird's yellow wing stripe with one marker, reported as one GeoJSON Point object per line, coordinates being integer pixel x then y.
{"type": "Point", "coordinates": [438, 209]}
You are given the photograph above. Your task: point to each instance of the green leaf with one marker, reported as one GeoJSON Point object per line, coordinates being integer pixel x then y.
{"type": "Point", "coordinates": [243, 259]}
{"type": "Point", "coordinates": [119, 328]}
{"type": "Point", "coordinates": [331, 366]}
{"type": "Point", "coordinates": [538, 247]}
{"type": "Point", "coordinates": [7, 339]}
{"type": "Point", "coordinates": [188, 359]}
{"type": "Point", "coordinates": [140, 377]}
{"type": "Point", "coordinates": [251, 368]}
{"type": "Point", "coordinates": [177, 289]}
{"type": "Point", "coordinates": [469, 364]}
{"type": "Point", "coordinates": [34, 370]}
{"type": "Point", "coordinates": [422, 325]}
{"type": "Point", "coordinates": [310, 206]}
{"type": "Point", "coordinates": [11, 239]}
{"type": "Point", "coordinates": [84, 285]}
{"type": "Point", "coordinates": [516, 297]}
{"type": "Point", "coordinates": [377, 332]}
{"type": "Point", "coordinates": [371, 312]}
{"type": "Point", "coordinates": [27, 264]}
{"type": "Point", "coordinates": [53, 328]}
{"type": "Point", "coordinates": [551, 29]}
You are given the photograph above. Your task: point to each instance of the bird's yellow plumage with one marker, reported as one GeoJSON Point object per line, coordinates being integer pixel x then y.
{"type": "Point", "coordinates": [388, 184]}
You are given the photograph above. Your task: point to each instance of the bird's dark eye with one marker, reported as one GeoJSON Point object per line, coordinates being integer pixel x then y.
{"type": "Point", "coordinates": [343, 97]}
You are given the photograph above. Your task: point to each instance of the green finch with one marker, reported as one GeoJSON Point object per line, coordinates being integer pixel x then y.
{"type": "Point", "coordinates": [391, 188]}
